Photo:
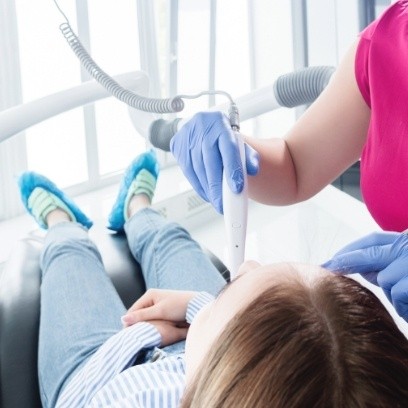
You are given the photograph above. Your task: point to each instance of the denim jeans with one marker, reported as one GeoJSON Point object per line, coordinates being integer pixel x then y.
{"type": "Point", "coordinates": [80, 308]}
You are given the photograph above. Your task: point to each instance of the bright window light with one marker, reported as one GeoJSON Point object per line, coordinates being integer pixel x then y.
{"type": "Point", "coordinates": [61, 147]}
{"type": "Point", "coordinates": [48, 66]}
{"type": "Point", "coordinates": [115, 47]}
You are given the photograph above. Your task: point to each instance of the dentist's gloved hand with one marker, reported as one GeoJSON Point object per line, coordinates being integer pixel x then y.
{"type": "Point", "coordinates": [205, 146]}
{"type": "Point", "coordinates": [382, 259]}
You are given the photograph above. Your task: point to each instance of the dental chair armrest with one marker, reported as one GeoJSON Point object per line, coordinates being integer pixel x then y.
{"type": "Point", "coordinates": [19, 326]}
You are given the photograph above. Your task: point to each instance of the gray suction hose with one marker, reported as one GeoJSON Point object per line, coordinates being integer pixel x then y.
{"type": "Point", "coordinates": [294, 89]}
{"type": "Point", "coordinates": [301, 87]}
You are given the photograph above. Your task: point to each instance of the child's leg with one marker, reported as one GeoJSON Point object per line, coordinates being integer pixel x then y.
{"type": "Point", "coordinates": [169, 257]}
{"type": "Point", "coordinates": [80, 308]}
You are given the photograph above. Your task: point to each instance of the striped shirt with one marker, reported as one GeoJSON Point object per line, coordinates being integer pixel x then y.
{"type": "Point", "coordinates": [110, 378]}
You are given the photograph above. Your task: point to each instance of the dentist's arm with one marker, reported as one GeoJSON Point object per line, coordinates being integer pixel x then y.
{"type": "Point", "coordinates": [323, 143]}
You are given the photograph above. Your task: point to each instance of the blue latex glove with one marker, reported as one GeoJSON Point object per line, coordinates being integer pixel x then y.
{"type": "Point", "coordinates": [381, 258]}
{"type": "Point", "coordinates": [205, 146]}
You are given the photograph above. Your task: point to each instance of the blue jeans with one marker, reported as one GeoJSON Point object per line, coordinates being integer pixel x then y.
{"type": "Point", "coordinates": [80, 308]}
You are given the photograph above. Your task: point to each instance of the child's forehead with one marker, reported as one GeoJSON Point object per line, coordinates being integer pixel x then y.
{"type": "Point", "coordinates": [289, 271]}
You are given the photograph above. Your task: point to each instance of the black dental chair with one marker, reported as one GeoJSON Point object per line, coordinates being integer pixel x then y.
{"type": "Point", "coordinates": [20, 309]}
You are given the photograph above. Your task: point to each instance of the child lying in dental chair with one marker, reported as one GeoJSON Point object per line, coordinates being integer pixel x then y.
{"type": "Point", "coordinates": [282, 335]}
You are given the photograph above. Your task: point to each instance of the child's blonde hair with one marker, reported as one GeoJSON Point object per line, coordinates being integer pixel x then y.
{"type": "Point", "coordinates": [329, 344]}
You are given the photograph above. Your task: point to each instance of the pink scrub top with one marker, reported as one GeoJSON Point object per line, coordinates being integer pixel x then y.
{"type": "Point", "coordinates": [381, 69]}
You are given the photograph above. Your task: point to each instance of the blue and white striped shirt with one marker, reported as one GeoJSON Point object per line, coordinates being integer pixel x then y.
{"type": "Point", "coordinates": [109, 378]}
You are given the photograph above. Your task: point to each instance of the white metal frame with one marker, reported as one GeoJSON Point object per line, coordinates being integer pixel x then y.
{"type": "Point", "coordinates": [12, 153]}
{"type": "Point", "coordinates": [15, 120]}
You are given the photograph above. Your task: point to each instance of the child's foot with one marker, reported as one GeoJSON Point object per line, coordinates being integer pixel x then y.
{"type": "Point", "coordinates": [56, 216]}
{"type": "Point", "coordinates": [136, 190]}
{"type": "Point", "coordinates": [144, 187]}
{"type": "Point", "coordinates": [42, 198]}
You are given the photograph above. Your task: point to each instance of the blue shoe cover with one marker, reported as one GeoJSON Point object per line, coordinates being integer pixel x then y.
{"type": "Point", "coordinates": [30, 180]}
{"type": "Point", "coordinates": [148, 161]}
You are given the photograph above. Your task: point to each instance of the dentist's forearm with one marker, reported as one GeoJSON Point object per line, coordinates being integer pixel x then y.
{"type": "Point", "coordinates": [276, 183]}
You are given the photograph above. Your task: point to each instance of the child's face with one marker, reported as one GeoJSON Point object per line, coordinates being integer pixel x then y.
{"type": "Point", "coordinates": [252, 279]}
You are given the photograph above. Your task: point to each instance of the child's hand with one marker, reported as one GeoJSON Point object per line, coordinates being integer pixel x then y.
{"type": "Point", "coordinates": [170, 332]}
{"type": "Point", "coordinates": [160, 305]}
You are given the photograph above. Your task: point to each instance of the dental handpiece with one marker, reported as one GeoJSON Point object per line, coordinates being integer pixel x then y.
{"type": "Point", "coordinates": [235, 205]}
